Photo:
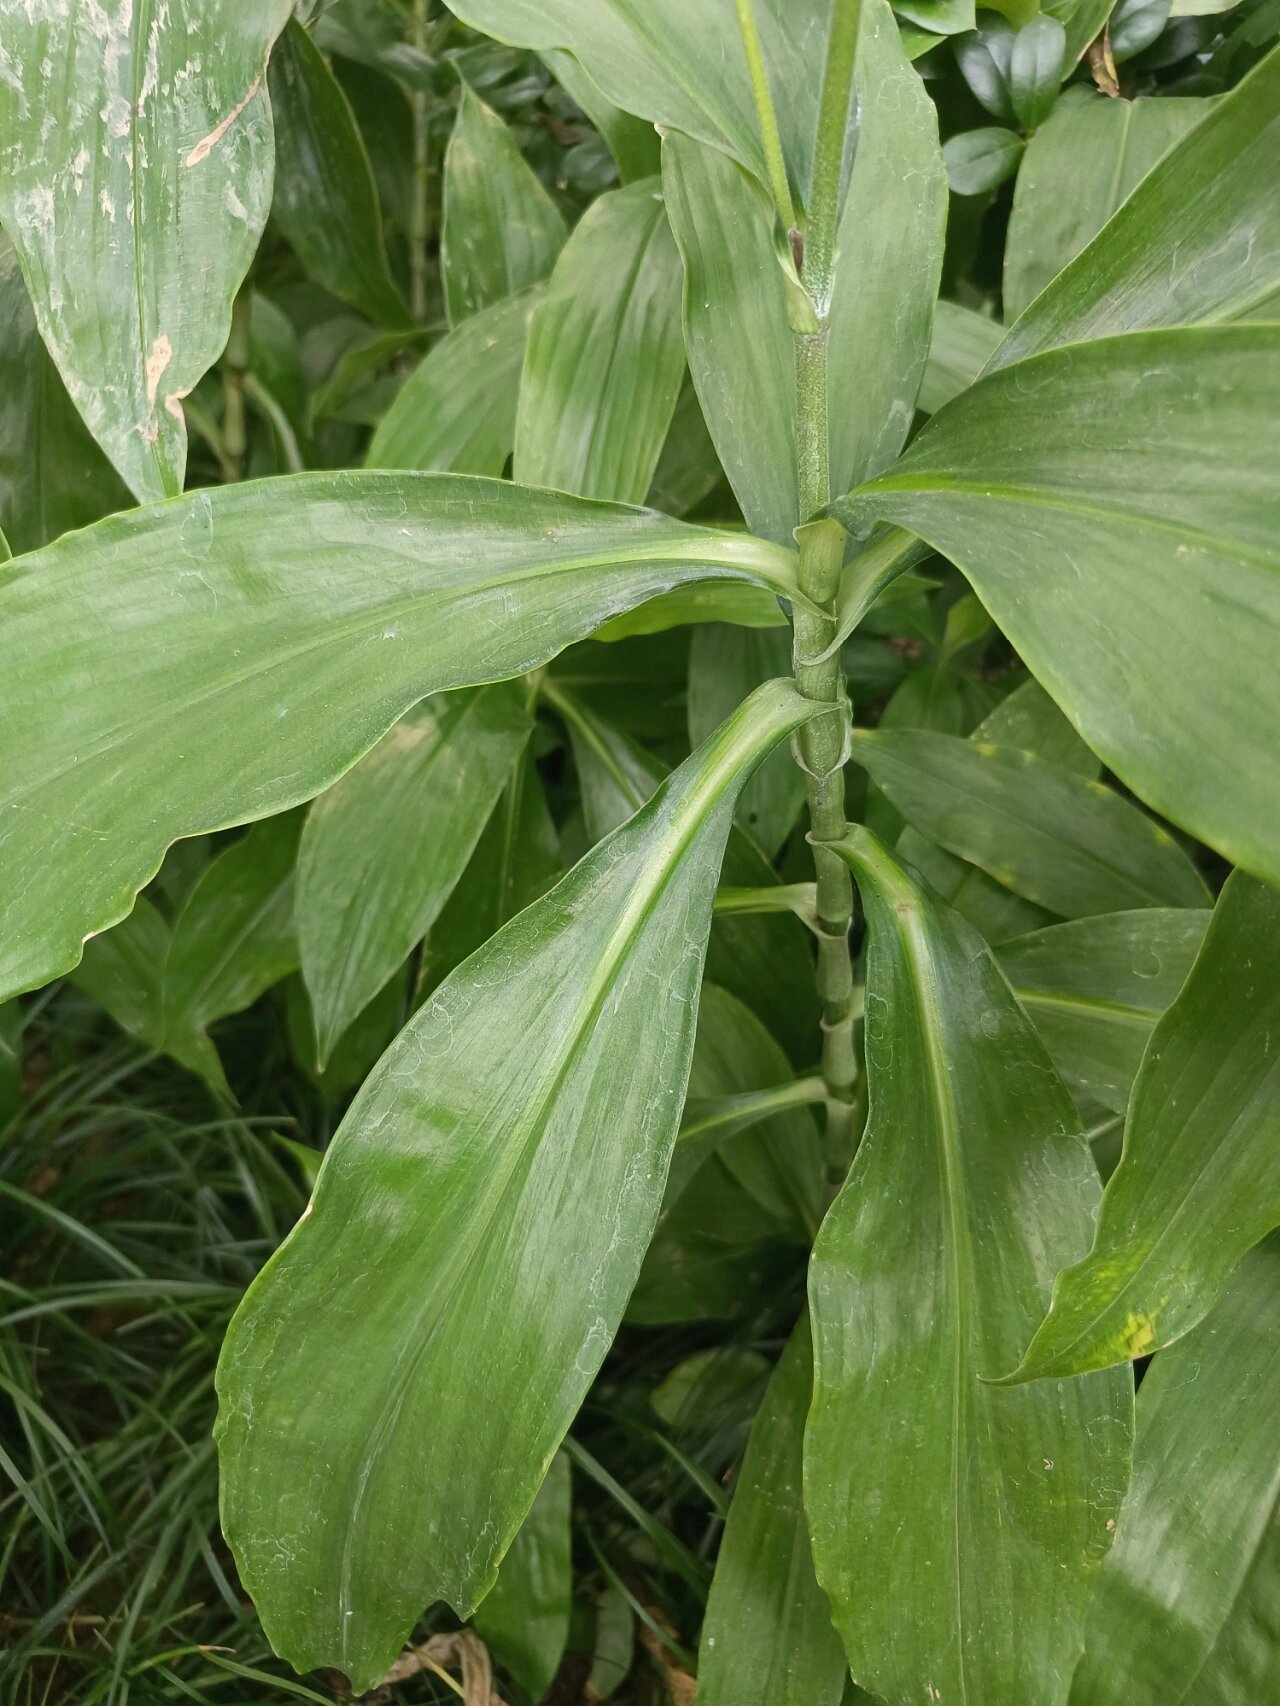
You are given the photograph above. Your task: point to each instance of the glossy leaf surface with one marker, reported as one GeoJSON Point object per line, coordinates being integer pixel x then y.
{"type": "Point", "coordinates": [1076, 171]}
{"type": "Point", "coordinates": [1071, 845]}
{"type": "Point", "coordinates": [1114, 506]}
{"type": "Point", "coordinates": [502, 231]}
{"type": "Point", "coordinates": [767, 1637]}
{"type": "Point", "coordinates": [325, 199]}
{"type": "Point", "coordinates": [957, 1543]}
{"type": "Point", "coordinates": [135, 179]}
{"type": "Point", "coordinates": [306, 615]}
{"type": "Point", "coordinates": [605, 354]}
{"type": "Point", "coordinates": [456, 412]}
{"type": "Point", "coordinates": [467, 1194]}
{"type": "Point", "coordinates": [1096, 988]}
{"type": "Point", "coordinates": [1199, 1179]}
{"type": "Point", "coordinates": [1199, 240]}
{"type": "Point", "coordinates": [383, 848]}
{"type": "Point", "coordinates": [1185, 1605]}
{"type": "Point", "coordinates": [524, 1618]}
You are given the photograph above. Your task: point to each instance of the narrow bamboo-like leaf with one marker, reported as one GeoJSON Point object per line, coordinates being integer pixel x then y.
{"type": "Point", "coordinates": [764, 961]}
{"type": "Point", "coordinates": [135, 177]}
{"type": "Point", "coordinates": [467, 1199]}
{"type": "Point", "coordinates": [962, 343]}
{"type": "Point", "coordinates": [995, 912]}
{"type": "Point", "coordinates": [725, 663]}
{"type": "Point", "coordinates": [1185, 1603]}
{"type": "Point", "coordinates": [1078, 168]}
{"type": "Point", "coordinates": [1199, 1179]}
{"type": "Point", "coordinates": [1114, 506]}
{"type": "Point", "coordinates": [1070, 845]}
{"type": "Point", "coordinates": [886, 280]}
{"type": "Point", "coordinates": [502, 231]}
{"type": "Point", "coordinates": [297, 617]}
{"type": "Point", "coordinates": [383, 848]}
{"type": "Point", "coordinates": [1198, 240]}
{"type": "Point", "coordinates": [53, 477]}
{"type": "Point", "coordinates": [325, 201]}
{"type": "Point", "coordinates": [456, 412]}
{"type": "Point", "coordinates": [681, 67]}
{"type": "Point", "coordinates": [767, 1638]}
{"type": "Point", "coordinates": [633, 143]}
{"type": "Point", "coordinates": [605, 353]}
{"type": "Point", "coordinates": [524, 1618]}
{"type": "Point", "coordinates": [957, 1541]}
{"type": "Point", "coordinates": [1097, 986]}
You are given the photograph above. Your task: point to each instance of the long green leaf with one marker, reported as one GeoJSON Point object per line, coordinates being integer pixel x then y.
{"type": "Point", "coordinates": [955, 1533]}
{"type": "Point", "coordinates": [524, 1618]}
{"type": "Point", "coordinates": [767, 1638]}
{"type": "Point", "coordinates": [1114, 505]}
{"type": "Point", "coordinates": [605, 354]}
{"type": "Point", "coordinates": [383, 848]}
{"type": "Point", "coordinates": [1096, 988]}
{"type": "Point", "coordinates": [1198, 240]}
{"type": "Point", "coordinates": [502, 231]}
{"type": "Point", "coordinates": [1185, 1604]}
{"type": "Point", "coordinates": [326, 202]}
{"type": "Point", "coordinates": [1071, 845]}
{"type": "Point", "coordinates": [1199, 1179]}
{"type": "Point", "coordinates": [456, 412]}
{"type": "Point", "coordinates": [961, 344]}
{"type": "Point", "coordinates": [1078, 168]}
{"type": "Point", "coordinates": [135, 176]}
{"type": "Point", "coordinates": [886, 279]}
{"type": "Point", "coordinates": [274, 631]}
{"type": "Point", "coordinates": [471, 1242]}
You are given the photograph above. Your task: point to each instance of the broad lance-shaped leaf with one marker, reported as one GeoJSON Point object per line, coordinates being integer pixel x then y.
{"type": "Point", "coordinates": [1115, 507]}
{"type": "Point", "coordinates": [456, 412]}
{"type": "Point", "coordinates": [383, 848]}
{"type": "Point", "coordinates": [502, 231]}
{"type": "Point", "coordinates": [605, 353]}
{"type": "Point", "coordinates": [524, 1618]}
{"type": "Point", "coordinates": [273, 632]}
{"type": "Point", "coordinates": [472, 1242]}
{"type": "Point", "coordinates": [326, 201]}
{"type": "Point", "coordinates": [1198, 240]}
{"type": "Point", "coordinates": [767, 1638]}
{"type": "Point", "coordinates": [957, 1541]}
{"type": "Point", "coordinates": [1096, 987]}
{"type": "Point", "coordinates": [136, 159]}
{"type": "Point", "coordinates": [741, 352]}
{"type": "Point", "coordinates": [1051, 835]}
{"type": "Point", "coordinates": [1199, 1178]}
{"type": "Point", "coordinates": [1185, 1608]}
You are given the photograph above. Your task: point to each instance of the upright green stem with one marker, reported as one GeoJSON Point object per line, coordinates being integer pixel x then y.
{"type": "Point", "coordinates": [821, 746]}
{"type": "Point", "coordinates": [420, 206]}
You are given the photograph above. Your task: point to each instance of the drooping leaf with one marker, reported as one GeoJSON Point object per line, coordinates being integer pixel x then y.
{"type": "Point", "coordinates": [963, 342]}
{"type": "Point", "coordinates": [605, 355]}
{"type": "Point", "coordinates": [1199, 1178]}
{"type": "Point", "coordinates": [467, 1199]}
{"type": "Point", "coordinates": [1076, 171]}
{"type": "Point", "coordinates": [725, 663]}
{"type": "Point", "coordinates": [957, 1542]}
{"type": "Point", "coordinates": [1073, 846]}
{"type": "Point", "coordinates": [524, 1618]}
{"type": "Point", "coordinates": [135, 178]}
{"type": "Point", "coordinates": [886, 280]}
{"type": "Point", "coordinates": [1185, 1604]}
{"type": "Point", "coordinates": [633, 143]}
{"type": "Point", "coordinates": [275, 631]}
{"type": "Point", "coordinates": [53, 477]}
{"type": "Point", "coordinates": [1096, 988]}
{"type": "Point", "coordinates": [1114, 506]}
{"type": "Point", "coordinates": [384, 846]}
{"type": "Point", "coordinates": [456, 412]}
{"type": "Point", "coordinates": [767, 1638]}
{"type": "Point", "coordinates": [502, 231]}
{"type": "Point", "coordinates": [325, 199]}
{"type": "Point", "coordinates": [1198, 240]}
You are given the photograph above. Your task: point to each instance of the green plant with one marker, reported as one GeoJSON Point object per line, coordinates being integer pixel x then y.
{"type": "Point", "coordinates": [472, 677]}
